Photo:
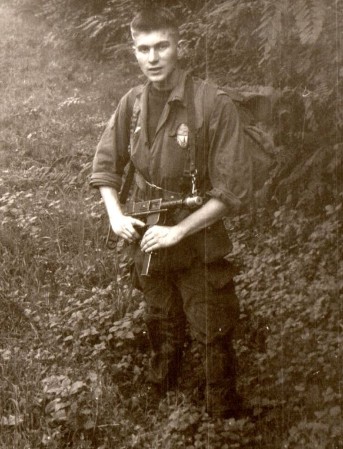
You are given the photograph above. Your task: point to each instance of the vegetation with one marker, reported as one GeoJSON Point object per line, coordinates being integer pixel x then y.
{"type": "Point", "coordinates": [73, 347]}
{"type": "Point", "coordinates": [292, 45]}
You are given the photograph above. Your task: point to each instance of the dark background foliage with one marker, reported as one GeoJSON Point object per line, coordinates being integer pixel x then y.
{"type": "Point", "coordinates": [73, 346]}
{"type": "Point", "coordinates": [292, 45]}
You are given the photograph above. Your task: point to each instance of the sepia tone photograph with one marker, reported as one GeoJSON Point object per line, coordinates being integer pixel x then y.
{"type": "Point", "coordinates": [171, 265]}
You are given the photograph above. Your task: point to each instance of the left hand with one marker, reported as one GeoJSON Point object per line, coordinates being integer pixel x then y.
{"type": "Point", "coordinates": [158, 237]}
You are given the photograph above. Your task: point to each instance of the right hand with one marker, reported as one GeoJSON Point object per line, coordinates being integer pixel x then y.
{"type": "Point", "coordinates": [124, 226]}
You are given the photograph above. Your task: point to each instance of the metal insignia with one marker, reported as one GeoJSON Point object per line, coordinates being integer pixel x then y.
{"type": "Point", "coordinates": [182, 135]}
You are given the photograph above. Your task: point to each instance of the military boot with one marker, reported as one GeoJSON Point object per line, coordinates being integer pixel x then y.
{"type": "Point", "coordinates": [219, 361]}
{"type": "Point", "coordinates": [166, 356]}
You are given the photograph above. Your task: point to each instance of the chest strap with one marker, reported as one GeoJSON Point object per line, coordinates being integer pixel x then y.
{"type": "Point", "coordinates": [125, 190]}
{"type": "Point", "coordinates": [190, 104]}
{"type": "Point", "coordinates": [190, 171]}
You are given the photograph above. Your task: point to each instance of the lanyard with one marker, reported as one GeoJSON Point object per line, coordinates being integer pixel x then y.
{"type": "Point", "coordinates": [190, 105]}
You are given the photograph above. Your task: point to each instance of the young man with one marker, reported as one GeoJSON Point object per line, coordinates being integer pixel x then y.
{"type": "Point", "coordinates": [184, 138]}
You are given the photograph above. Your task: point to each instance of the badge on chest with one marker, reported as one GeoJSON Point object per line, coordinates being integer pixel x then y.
{"type": "Point", "coordinates": [182, 135]}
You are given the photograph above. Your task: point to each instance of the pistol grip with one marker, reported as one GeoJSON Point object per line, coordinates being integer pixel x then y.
{"type": "Point", "coordinates": [153, 219]}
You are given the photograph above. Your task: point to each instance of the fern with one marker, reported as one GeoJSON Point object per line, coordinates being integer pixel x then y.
{"type": "Point", "coordinates": [227, 10]}
{"type": "Point", "coordinates": [93, 26]}
{"type": "Point", "coordinates": [309, 112]}
{"type": "Point", "coordinates": [270, 27]}
{"type": "Point", "coordinates": [293, 45]}
{"type": "Point", "coordinates": [309, 18]}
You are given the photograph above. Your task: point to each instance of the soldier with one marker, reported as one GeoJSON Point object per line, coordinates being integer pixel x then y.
{"type": "Point", "coordinates": [185, 138]}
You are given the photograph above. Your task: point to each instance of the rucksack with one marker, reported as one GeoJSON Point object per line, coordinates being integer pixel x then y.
{"type": "Point", "coordinates": [255, 109]}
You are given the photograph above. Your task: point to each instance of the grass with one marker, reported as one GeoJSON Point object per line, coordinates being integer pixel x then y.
{"type": "Point", "coordinates": [73, 347]}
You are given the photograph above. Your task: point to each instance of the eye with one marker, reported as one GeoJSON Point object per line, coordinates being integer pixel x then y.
{"type": "Point", "coordinates": [143, 49]}
{"type": "Point", "coordinates": [163, 46]}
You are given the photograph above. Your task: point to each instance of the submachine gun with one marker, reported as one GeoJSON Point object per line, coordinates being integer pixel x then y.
{"type": "Point", "coordinates": [154, 212]}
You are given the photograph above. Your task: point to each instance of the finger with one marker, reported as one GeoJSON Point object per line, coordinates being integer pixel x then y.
{"type": "Point", "coordinates": [127, 237]}
{"type": "Point", "coordinates": [151, 230]}
{"type": "Point", "coordinates": [148, 249]}
{"type": "Point", "coordinates": [138, 223]}
{"type": "Point", "coordinates": [155, 246]}
{"type": "Point", "coordinates": [135, 234]}
{"type": "Point", "coordinates": [132, 231]}
{"type": "Point", "coordinates": [145, 236]}
{"type": "Point", "coordinates": [149, 237]}
{"type": "Point", "coordinates": [147, 233]}
{"type": "Point", "coordinates": [145, 246]}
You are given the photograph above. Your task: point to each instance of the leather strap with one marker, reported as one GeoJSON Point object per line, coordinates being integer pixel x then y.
{"type": "Point", "coordinates": [189, 172]}
{"type": "Point", "coordinates": [125, 189]}
{"type": "Point", "coordinates": [191, 124]}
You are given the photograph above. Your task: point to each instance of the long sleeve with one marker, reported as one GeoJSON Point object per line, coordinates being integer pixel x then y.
{"type": "Point", "coordinates": [229, 162]}
{"type": "Point", "coordinates": [112, 151]}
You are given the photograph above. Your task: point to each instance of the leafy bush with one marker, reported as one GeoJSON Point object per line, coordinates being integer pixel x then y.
{"type": "Point", "coordinates": [289, 289]}
{"type": "Point", "coordinates": [73, 347]}
{"type": "Point", "coordinates": [289, 45]}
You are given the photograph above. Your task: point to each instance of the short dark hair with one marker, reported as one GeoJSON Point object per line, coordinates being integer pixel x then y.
{"type": "Point", "coordinates": [152, 19]}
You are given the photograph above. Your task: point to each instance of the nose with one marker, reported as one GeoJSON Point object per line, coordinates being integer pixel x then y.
{"type": "Point", "coordinates": [153, 55]}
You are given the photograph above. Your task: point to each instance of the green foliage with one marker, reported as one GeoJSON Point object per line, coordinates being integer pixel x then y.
{"type": "Point", "coordinates": [73, 347]}
{"type": "Point", "coordinates": [289, 289]}
{"type": "Point", "coordinates": [293, 46]}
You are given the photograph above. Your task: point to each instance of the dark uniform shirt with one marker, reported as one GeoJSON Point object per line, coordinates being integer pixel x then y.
{"type": "Point", "coordinates": [223, 166]}
{"type": "Point", "coordinates": [157, 99]}
{"type": "Point", "coordinates": [178, 277]}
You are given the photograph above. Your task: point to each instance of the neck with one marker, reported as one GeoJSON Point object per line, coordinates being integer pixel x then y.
{"type": "Point", "coordinates": [170, 82]}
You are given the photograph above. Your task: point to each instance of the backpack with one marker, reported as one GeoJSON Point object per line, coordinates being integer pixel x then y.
{"type": "Point", "coordinates": [255, 110]}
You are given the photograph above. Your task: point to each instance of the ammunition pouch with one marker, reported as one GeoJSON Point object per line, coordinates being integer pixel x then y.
{"type": "Point", "coordinates": [212, 243]}
{"type": "Point", "coordinates": [164, 260]}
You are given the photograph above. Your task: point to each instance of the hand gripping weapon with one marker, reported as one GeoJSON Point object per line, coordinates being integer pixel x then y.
{"type": "Point", "coordinates": [154, 212]}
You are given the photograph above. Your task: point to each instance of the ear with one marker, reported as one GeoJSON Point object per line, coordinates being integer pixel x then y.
{"type": "Point", "coordinates": [133, 50]}
{"type": "Point", "coordinates": [181, 48]}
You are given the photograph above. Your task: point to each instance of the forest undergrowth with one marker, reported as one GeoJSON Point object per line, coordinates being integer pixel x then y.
{"type": "Point", "coordinates": [73, 347]}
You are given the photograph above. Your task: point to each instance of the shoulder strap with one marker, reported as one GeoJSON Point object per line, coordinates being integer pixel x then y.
{"type": "Point", "coordinates": [136, 108]}
{"type": "Point", "coordinates": [203, 100]}
{"type": "Point", "coordinates": [191, 123]}
{"type": "Point", "coordinates": [124, 192]}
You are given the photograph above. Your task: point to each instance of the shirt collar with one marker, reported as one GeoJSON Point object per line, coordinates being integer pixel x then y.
{"type": "Point", "coordinates": [178, 93]}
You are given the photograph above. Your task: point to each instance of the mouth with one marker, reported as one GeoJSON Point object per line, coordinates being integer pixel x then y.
{"type": "Point", "coordinates": [155, 69]}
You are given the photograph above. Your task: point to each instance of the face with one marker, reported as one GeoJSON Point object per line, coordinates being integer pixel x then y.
{"type": "Point", "coordinates": [157, 55]}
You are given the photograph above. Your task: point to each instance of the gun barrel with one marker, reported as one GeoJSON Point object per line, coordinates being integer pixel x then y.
{"type": "Point", "coordinates": [189, 202]}
{"type": "Point", "coordinates": [145, 213]}
{"type": "Point", "coordinates": [193, 201]}
{"type": "Point", "coordinates": [149, 207]}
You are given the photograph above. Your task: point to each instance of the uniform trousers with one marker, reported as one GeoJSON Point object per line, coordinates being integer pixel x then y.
{"type": "Point", "coordinates": [182, 290]}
